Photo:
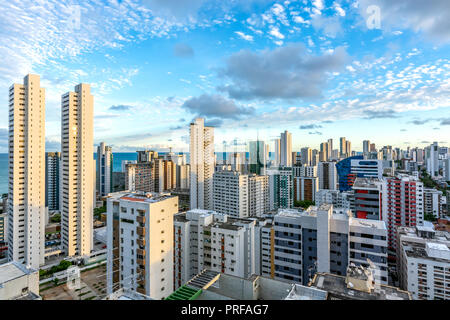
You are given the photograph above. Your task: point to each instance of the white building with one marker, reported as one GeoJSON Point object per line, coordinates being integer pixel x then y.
{"type": "Point", "coordinates": [104, 169]}
{"type": "Point", "coordinates": [318, 240]}
{"type": "Point", "coordinates": [202, 162]}
{"type": "Point", "coordinates": [286, 149]}
{"type": "Point", "coordinates": [230, 193]}
{"type": "Point", "coordinates": [305, 171]}
{"type": "Point", "coordinates": [258, 195]}
{"type": "Point", "coordinates": [26, 197]}
{"type": "Point", "coordinates": [432, 202]}
{"type": "Point", "coordinates": [306, 154]}
{"type": "Point", "coordinates": [335, 197]}
{"type": "Point", "coordinates": [77, 171]}
{"type": "Point", "coordinates": [183, 176]}
{"type": "Point", "coordinates": [432, 159]}
{"type": "Point", "coordinates": [424, 262]}
{"type": "Point", "coordinates": [140, 242]}
{"type": "Point", "coordinates": [17, 282]}
{"type": "Point", "coordinates": [209, 240]}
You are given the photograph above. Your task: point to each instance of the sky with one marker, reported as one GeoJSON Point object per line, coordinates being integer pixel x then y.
{"type": "Point", "coordinates": [373, 70]}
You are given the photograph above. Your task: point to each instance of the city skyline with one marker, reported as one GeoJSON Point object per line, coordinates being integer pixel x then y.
{"type": "Point", "coordinates": [152, 70]}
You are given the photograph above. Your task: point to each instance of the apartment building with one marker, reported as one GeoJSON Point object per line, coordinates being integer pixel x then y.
{"type": "Point", "coordinates": [210, 240]}
{"type": "Point", "coordinates": [432, 202]}
{"type": "Point", "coordinates": [402, 205]}
{"type": "Point", "coordinates": [26, 193]}
{"type": "Point", "coordinates": [104, 170]}
{"type": "Point", "coordinates": [305, 188]}
{"type": "Point", "coordinates": [423, 262]}
{"type": "Point", "coordinates": [286, 149]}
{"type": "Point", "coordinates": [327, 174]}
{"type": "Point", "coordinates": [140, 177]}
{"type": "Point", "coordinates": [77, 171]}
{"type": "Point", "coordinates": [202, 162]}
{"type": "Point", "coordinates": [183, 176]}
{"type": "Point", "coordinates": [52, 168]}
{"type": "Point", "coordinates": [318, 240]}
{"type": "Point", "coordinates": [367, 198]}
{"type": "Point", "coordinates": [281, 191]}
{"type": "Point", "coordinates": [258, 195]}
{"type": "Point", "coordinates": [230, 193]}
{"type": "Point", "coordinates": [140, 242]}
{"type": "Point", "coordinates": [338, 199]}
{"type": "Point", "coordinates": [305, 171]}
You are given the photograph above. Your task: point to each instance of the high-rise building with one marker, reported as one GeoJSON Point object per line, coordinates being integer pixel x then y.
{"type": "Point", "coordinates": [52, 168]}
{"type": "Point", "coordinates": [306, 156]}
{"type": "Point", "coordinates": [327, 175]}
{"type": "Point", "coordinates": [366, 147]}
{"type": "Point", "coordinates": [26, 197]}
{"type": "Point", "coordinates": [104, 169]}
{"type": "Point", "coordinates": [258, 195]}
{"type": "Point", "coordinates": [432, 159]}
{"type": "Point", "coordinates": [305, 188]}
{"type": "Point", "coordinates": [339, 200]}
{"type": "Point", "coordinates": [286, 149]}
{"type": "Point", "coordinates": [208, 240]}
{"type": "Point", "coordinates": [343, 147]}
{"type": "Point", "coordinates": [318, 240]}
{"type": "Point", "coordinates": [140, 242]}
{"type": "Point", "coordinates": [201, 151]}
{"type": "Point", "coordinates": [367, 195]}
{"type": "Point", "coordinates": [323, 155]}
{"type": "Point", "coordinates": [330, 147]}
{"type": "Point", "coordinates": [3, 231]}
{"type": "Point", "coordinates": [348, 148]}
{"type": "Point", "coordinates": [146, 155]}
{"type": "Point", "coordinates": [423, 262]}
{"type": "Point", "coordinates": [140, 177]}
{"type": "Point", "coordinates": [257, 157]}
{"type": "Point", "coordinates": [183, 180]}
{"type": "Point", "coordinates": [77, 168]}
{"type": "Point", "coordinates": [277, 152]}
{"type": "Point", "coordinates": [446, 165]}
{"type": "Point", "coordinates": [230, 193]}
{"type": "Point", "coordinates": [402, 200]}
{"type": "Point", "coordinates": [432, 202]}
{"type": "Point", "coordinates": [281, 191]}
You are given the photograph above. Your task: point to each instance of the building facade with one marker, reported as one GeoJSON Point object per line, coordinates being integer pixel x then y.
{"type": "Point", "coordinates": [104, 170]}
{"type": "Point", "coordinates": [52, 168]}
{"type": "Point", "coordinates": [77, 171]}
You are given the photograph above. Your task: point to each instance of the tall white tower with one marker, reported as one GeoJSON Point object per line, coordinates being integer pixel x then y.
{"type": "Point", "coordinates": [201, 152]}
{"type": "Point", "coordinates": [104, 169]}
{"type": "Point", "coordinates": [26, 198]}
{"type": "Point", "coordinates": [77, 167]}
{"type": "Point", "coordinates": [286, 149]}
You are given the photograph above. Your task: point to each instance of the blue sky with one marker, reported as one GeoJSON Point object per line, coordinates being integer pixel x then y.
{"type": "Point", "coordinates": [320, 69]}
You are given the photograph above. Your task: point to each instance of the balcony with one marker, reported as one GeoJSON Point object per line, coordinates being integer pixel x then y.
{"type": "Point", "coordinates": [140, 252]}
{"type": "Point", "coordinates": [141, 242]}
{"type": "Point", "coordinates": [140, 262]}
{"type": "Point", "coordinates": [140, 290]}
{"type": "Point", "coordinates": [140, 231]}
{"type": "Point", "coordinates": [140, 219]}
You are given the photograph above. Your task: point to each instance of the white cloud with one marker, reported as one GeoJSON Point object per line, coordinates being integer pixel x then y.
{"type": "Point", "coordinates": [274, 31]}
{"type": "Point", "coordinates": [244, 36]}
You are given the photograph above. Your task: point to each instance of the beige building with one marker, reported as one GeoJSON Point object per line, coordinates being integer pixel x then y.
{"type": "Point", "coordinates": [202, 162]}
{"type": "Point", "coordinates": [26, 198]}
{"type": "Point", "coordinates": [140, 242]}
{"type": "Point", "coordinates": [77, 168]}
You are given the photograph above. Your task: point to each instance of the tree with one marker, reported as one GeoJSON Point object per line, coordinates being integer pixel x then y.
{"type": "Point", "coordinates": [304, 203]}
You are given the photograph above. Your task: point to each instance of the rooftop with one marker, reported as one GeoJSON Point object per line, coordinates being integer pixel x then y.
{"type": "Point", "coordinates": [13, 270]}
{"type": "Point", "coordinates": [366, 183]}
{"type": "Point", "coordinates": [148, 197]}
{"type": "Point", "coordinates": [376, 224]}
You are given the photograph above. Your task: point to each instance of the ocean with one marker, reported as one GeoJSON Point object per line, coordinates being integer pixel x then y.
{"type": "Point", "coordinates": [118, 157]}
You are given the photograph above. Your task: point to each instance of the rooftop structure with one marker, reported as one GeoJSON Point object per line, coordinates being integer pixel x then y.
{"type": "Point", "coordinates": [18, 282]}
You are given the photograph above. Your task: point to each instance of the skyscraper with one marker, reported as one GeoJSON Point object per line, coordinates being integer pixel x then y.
{"type": "Point", "coordinates": [366, 146]}
{"type": "Point", "coordinates": [348, 148]}
{"type": "Point", "coordinates": [343, 147]}
{"type": "Point", "coordinates": [277, 143]}
{"type": "Point", "coordinates": [257, 156]}
{"type": "Point", "coordinates": [327, 174]}
{"type": "Point", "coordinates": [26, 198]}
{"type": "Point", "coordinates": [104, 169]}
{"type": "Point", "coordinates": [286, 149]}
{"type": "Point", "coordinates": [77, 165]}
{"type": "Point", "coordinates": [201, 152]}
{"type": "Point", "coordinates": [52, 165]}
{"type": "Point", "coordinates": [306, 156]}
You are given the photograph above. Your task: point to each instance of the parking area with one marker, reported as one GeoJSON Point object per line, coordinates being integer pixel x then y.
{"type": "Point", "coordinates": [92, 287]}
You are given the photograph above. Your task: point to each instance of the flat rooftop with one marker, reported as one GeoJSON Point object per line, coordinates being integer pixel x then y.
{"type": "Point", "coordinates": [13, 270]}
{"type": "Point", "coordinates": [366, 183]}
{"type": "Point", "coordinates": [148, 197]}
{"type": "Point", "coordinates": [375, 224]}
{"type": "Point", "coordinates": [337, 289]}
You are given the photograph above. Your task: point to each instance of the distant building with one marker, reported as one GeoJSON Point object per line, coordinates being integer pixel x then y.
{"type": "Point", "coordinates": [327, 174]}
{"type": "Point", "coordinates": [367, 198]}
{"type": "Point", "coordinates": [202, 161]}
{"type": "Point", "coordinates": [305, 188]}
{"type": "Point", "coordinates": [52, 167]}
{"type": "Point", "coordinates": [281, 191]}
{"type": "Point", "coordinates": [140, 177]}
{"type": "Point", "coordinates": [104, 170]}
{"type": "Point", "coordinates": [257, 157]}
{"type": "Point", "coordinates": [433, 200]}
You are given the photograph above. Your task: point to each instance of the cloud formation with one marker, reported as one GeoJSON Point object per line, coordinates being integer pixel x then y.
{"type": "Point", "coordinates": [310, 126]}
{"type": "Point", "coordinates": [216, 106]}
{"type": "Point", "coordinates": [183, 50]}
{"type": "Point", "coordinates": [120, 107]}
{"type": "Point", "coordinates": [287, 72]}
